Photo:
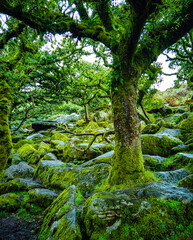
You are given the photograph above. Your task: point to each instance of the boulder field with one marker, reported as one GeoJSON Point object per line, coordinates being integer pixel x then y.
{"type": "Point", "coordinates": [61, 177]}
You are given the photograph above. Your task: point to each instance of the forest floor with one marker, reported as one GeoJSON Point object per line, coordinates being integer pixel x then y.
{"type": "Point", "coordinates": [14, 228]}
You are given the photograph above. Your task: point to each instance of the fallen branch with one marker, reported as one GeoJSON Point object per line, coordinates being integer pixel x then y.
{"type": "Point", "coordinates": [95, 135]}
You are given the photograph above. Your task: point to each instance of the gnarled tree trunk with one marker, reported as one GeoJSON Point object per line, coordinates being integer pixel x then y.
{"type": "Point", "coordinates": [127, 159]}
{"type": "Point", "coordinates": [5, 135]}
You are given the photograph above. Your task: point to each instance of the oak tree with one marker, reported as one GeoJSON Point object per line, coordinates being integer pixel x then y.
{"type": "Point", "coordinates": [135, 32]}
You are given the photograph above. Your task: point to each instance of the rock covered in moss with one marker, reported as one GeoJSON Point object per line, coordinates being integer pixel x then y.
{"type": "Point", "coordinates": [137, 213]}
{"type": "Point", "coordinates": [9, 202]}
{"type": "Point", "coordinates": [34, 158]}
{"type": "Point", "coordinates": [58, 144]}
{"type": "Point", "coordinates": [184, 158]}
{"type": "Point", "coordinates": [59, 136]}
{"type": "Point", "coordinates": [73, 152]}
{"type": "Point", "coordinates": [43, 125]}
{"type": "Point", "coordinates": [186, 128]}
{"type": "Point", "coordinates": [169, 132]}
{"type": "Point", "coordinates": [61, 177]}
{"type": "Point", "coordinates": [11, 186]}
{"type": "Point", "coordinates": [43, 148]}
{"type": "Point", "coordinates": [29, 183]}
{"type": "Point", "coordinates": [35, 135]}
{"type": "Point", "coordinates": [160, 145]}
{"type": "Point", "coordinates": [22, 170]}
{"type": "Point", "coordinates": [26, 150]}
{"type": "Point", "coordinates": [42, 197]}
{"type": "Point", "coordinates": [150, 129]}
{"type": "Point", "coordinates": [60, 221]}
{"type": "Point", "coordinates": [49, 156]}
{"type": "Point", "coordinates": [153, 162]}
{"type": "Point", "coordinates": [172, 176]}
{"type": "Point", "coordinates": [22, 142]}
{"type": "Point", "coordinates": [187, 182]}
{"type": "Point", "coordinates": [180, 148]}
{"type": "Point", "coordinates": [104, 158]}
{"type": "Point", "coordinates": [14, 158]}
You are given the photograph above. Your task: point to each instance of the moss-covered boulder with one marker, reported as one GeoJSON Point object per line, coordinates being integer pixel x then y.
{"type": "Point", "coordinates": [91, 127]}
{"type": "Point", "coordinates": [36, 136]}
{"type": "Point", "coordinates": [180, 148]}
{"type": "Point", "coordinates": [186, 128]}
{"type": "Point", "coordinates": [150, 129]}
{"type": "Point", "coordinates": [49, 156]}
{"type": "Point", "coordinates": [172, 176]}
{"type": "Point", "coordinates": [153, 162]}
{"type": "Point", "coordinates": [184, 158]}
{"type": "Point", "coordinates": [43, 125]}
{"type": "Point", "coordinates": [158, 144]}
{"type": "Point", "coordinates": [187, 182]}
{"type": "Point", "coordinates": [34, 158]}
{"type": "Point", "coordinates": [61, 177]}
{"type": "Point", "coordinates": [42, 197]}
{"type": "Point", "coordinates": [22, 170]}
{"type": "Point", "coordinates": [62, 220]}
{"type": "Point", "coordinates": [9, 202]}
{"type": "Point", "coordinates": [11, 186]}
{"type": "Point", "coordinates": [25, 151]}
{"type": "Point", "coordinates": [79, 152]}
{"type": "Point", "coordinates": [43, 148]}
{"type": "Point", "coordinates": [21, 143]}
{"type": "Point", "coordinates": [138, 213]}
{"type": "Point", "coordinates": [146, 212]}
{"type": "Point", "coordinates": [58, 144]}
{"type": "Point", "coordinates": [174, 132]}
{"type": "Point", "coordinates": [59, 136]}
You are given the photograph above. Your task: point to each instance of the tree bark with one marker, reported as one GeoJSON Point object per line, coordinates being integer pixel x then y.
{"type": "Point", "coordinates": [86, 113]}
{"type": "Point", "coordinates": [127, 159]}
{"type": "Point", "coordinates": [5, 134]}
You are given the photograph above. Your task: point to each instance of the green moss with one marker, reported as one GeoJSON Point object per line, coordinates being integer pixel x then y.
{"type": "Point", "coordinates": [92, 126]}
{"type": "Point", "coordinates": [25, 151]}
{"type": "Point", "coordinates": [187, 182]}
{"type": "Point", "coordinates": [5, 135]}
{"type": "Point", "coordinates": [22, 142]}
{"type": "Point", "coordinates": [186, 128]}
{"type": "Point", "coordinates": [158, 145]}
{"type": "Point", "coordinates": [59, 136]}
{"type": "Point", "coordinates": [84, 178]}
{"type": "Point", "coordinates": [80, 123]}
{"type": "Point", "coordinates": [78, 198]}
{"type": "Point", "coordinates": [125, 162]}
{"type": "Point", "coordinates": [107, 160]}
{"type": "Point", "coordinates": [133, 180]}
{"type": "Point", "coordinates": [34, 158]}
{"type": "Point", "coordinates": [57, 210]}
{"type": "Point", "coordinates": [70, 153]}
{"type": "Point", "coordinates": [43, 148]}
{"type": "Point", "coordinates": [64, 231]}
{"type": "Point", "coordinates": [11, 186]}
{"type": "Point", "coordinates": [9, 202]}
{"type": "Point", "coordinates": [159, 220]}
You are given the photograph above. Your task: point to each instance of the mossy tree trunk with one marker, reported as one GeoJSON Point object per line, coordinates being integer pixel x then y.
{"type": "Point", "coordinates": [127, 159]}
{"type": "Point", "coordinates": [5, 134]}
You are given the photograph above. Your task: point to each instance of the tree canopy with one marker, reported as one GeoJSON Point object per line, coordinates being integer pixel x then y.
{"type": "Point", "coordinates": [135, 32]}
